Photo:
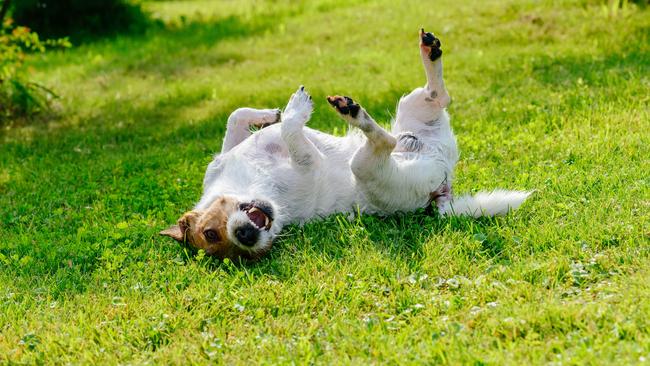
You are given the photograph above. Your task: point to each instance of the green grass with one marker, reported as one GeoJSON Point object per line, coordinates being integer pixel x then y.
{"type": "Point", "coordinates": [548, 95]}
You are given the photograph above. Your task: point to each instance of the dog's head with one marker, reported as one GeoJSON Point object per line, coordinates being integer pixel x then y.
{"type": "Point", "coordinates": [228, 228]}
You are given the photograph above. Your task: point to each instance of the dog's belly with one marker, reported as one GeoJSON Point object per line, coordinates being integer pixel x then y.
{"type": "Point", "coordinates": [261, 166]}
{"type": "Point", "coordinates": [268, 144]}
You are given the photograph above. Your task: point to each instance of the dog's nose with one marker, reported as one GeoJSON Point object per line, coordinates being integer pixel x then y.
{"type": "Point", "coordinates": [247, 234]}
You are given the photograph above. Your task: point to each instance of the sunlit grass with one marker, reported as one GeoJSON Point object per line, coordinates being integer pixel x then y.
{"type": "Point", "coordinates": [546, 96]}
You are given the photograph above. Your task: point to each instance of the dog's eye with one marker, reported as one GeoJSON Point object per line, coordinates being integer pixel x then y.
{"type": "Point", "coordinates": [211, 236]}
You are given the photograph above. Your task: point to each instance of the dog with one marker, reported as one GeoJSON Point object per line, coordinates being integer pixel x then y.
{"type": "Point", "coordinates": [286, 173]}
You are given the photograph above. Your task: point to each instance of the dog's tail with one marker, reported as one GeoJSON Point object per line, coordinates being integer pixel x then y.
{"type": "Point", "coordinates": [496, 203]}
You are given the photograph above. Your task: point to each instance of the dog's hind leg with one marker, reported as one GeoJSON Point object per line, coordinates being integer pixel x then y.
{"type": "Point", "coordinates": [424, 105]}
{"type": "Point", "coordinates": [241, 121]}
{"type": "Point", "coordinates": [432, 60]}
{"type": "Point", "coordinates": [304, 155]}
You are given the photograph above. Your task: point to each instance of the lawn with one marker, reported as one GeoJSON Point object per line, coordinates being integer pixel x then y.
{"type": "Point", "coordinates": [547, 95]}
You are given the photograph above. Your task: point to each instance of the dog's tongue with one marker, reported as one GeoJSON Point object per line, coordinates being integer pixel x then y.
{"type": "Point", "coordinates": [258, 217]}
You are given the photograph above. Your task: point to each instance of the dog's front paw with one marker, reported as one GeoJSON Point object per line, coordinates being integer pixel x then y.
{"type": "Point", "coordinates": [430, 45]}
{"type": "Point", "coordinates": [344, 105]}
{"type": "Point", "coordinates": [299, 107]}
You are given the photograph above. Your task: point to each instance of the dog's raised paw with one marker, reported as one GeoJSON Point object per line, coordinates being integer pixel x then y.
{"type": "Point", "coordinates": [300, 104]}
{"type": "Point", "coordinates": [430, 44]}
{"type": "Point", "coordinates": [344, 105]}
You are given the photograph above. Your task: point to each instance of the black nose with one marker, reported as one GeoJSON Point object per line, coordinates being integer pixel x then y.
{"type": "Point", "coordinates": [247, 234]}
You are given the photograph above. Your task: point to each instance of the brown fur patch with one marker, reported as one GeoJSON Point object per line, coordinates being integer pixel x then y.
{"type": "Point", "coordinates": [193, 225]}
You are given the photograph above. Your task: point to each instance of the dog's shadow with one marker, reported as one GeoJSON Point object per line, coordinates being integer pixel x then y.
{"type": "Point", "coordinates": [410, 238]}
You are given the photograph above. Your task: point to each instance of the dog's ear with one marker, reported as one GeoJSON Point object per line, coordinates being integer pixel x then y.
{"type": "Point", "coordinates": [178, 232]}
{"type": "Point", "coordinates": [175, 233]}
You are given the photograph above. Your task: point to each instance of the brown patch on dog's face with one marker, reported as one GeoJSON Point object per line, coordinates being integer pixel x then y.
{"type": "Point", "coordinates": [208, 230]}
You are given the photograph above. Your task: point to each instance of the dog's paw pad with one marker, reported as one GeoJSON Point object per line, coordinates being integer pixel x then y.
{"type": "Point", "coordinates": [344, 105]}
{"type": "Point", "coordinates": [430, 44]}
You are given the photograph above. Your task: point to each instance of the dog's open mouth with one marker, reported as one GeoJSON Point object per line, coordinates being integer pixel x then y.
{"type": "Point", "coordinates": [260, 214]}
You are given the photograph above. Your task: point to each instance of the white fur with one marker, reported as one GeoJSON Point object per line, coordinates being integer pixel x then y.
{"type": "Point", "coordinates": [497, 202]}
{"type": "Point", "coordinates": [306, 174]}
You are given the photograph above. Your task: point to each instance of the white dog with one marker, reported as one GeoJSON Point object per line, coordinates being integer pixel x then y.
{"type": "Point", "coordinates": [288, 173]}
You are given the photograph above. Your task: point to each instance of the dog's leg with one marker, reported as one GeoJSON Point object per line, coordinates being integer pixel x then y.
{"type": "Point", "coordinates": [432, 60]}
{"type": "Point", "coordinates": [379, 142]}
{"type": "Point", "coordinates": [424, 105]}
{"type": "Point", "coordinates": [389, 184]}
{"type": "Point", "coordinates": [304, 155]}
{"type": "Point", "coordinates": [372, 162]}
{"type": "Point", "coordinates": [241, 121]}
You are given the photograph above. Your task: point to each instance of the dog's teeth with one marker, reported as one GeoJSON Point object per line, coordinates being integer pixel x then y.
{"type": "Point", "coordinates": [266, 221]}
{"type": "Point", "coordinates": [253, 209]}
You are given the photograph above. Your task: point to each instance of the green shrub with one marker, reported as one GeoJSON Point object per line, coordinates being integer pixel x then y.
{"type": "Point", "coordinates": [20, 97]}
{"type": "Point", "coordinates": [79, 19]}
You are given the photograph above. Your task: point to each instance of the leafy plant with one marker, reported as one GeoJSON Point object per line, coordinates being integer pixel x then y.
{"type": "Point", "coordinates": [20, 97]}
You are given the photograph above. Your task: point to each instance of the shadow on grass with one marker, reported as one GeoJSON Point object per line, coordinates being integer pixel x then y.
{"type": "Point", "coordinates": [167, 50]}
{"type": "Point", "coordinates": [400, 238]}
{"type": "Point", "coordinates": [81, 21]}
{"type": "Point", "coordinates": [401, 235]}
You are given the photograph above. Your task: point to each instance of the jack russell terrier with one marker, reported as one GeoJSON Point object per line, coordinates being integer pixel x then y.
{"type": "Point", "coordinates": [287, 173]}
